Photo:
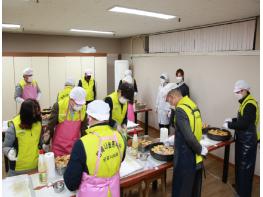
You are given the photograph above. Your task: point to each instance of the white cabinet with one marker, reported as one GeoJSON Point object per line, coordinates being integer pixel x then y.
{"type": "Point", "coordinates": [73, 68]}
{"type": "Point", "coordinates": [51, 74]}
{"type": "Point", "coordinates": [41, 75]}
{"type": "Point", "coordinates": [57, 76]}
{"type": "Point", "coordinates": [8, 88]}
{"type": "Point", "coordinates": [101, 76]}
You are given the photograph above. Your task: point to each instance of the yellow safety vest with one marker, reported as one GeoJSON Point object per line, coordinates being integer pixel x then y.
{"type": "Point", "coordinates": [28, 139]}
{"type": "Point", "coordinates": [63, 108]}
{"type": "Point", "coordinates": [88, 87]}
{"type": "Point", "coordinates": [252, 100]}
{"type": "Point", "coordinates": [64, 93]}
{"type": "Point", "coordinates": [195, 120]}
{"type": "Point", "coordinates": [118, 113]}
{"type": "Point", "coordinates": [110, 160]}
{"type": "Point", "coordinates": [22, 83]}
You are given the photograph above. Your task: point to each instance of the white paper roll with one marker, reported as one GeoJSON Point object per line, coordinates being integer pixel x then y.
{"type": "Point", "coordinates": [163, 134]}
{"type": "Point", "coordinates": [50, 162]}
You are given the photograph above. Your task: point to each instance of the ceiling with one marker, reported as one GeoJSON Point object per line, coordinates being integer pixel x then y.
{"type": "Point", "coordinates": [58, 16]}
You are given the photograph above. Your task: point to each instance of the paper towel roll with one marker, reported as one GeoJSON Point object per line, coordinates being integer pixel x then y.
{"type": "Point", "coordinates": [163, 134]}
{"type": "Point", "coordinates": [50, 162]}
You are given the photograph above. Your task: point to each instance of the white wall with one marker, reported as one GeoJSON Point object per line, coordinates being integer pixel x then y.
{"type": "Point", "coordinates": [50, 73]}
{"type": "Point", "coordinates": [210, 78]}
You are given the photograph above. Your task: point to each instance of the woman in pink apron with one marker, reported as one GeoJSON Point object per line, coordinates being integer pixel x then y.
{"type": "Point", "coordinates": [68, 121]}
{"type": "Point", "coordinates": [27, 87]}
{"type": "Point", "coordinates": [93, 168]}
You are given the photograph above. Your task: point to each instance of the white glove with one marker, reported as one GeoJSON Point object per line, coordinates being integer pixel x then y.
{"type": "Point", "coordinates": [38, 96]}
{"type": "Point", "coordinates": [12, 154]}
{"type": "Point", "coordinates": [225, 125]}
{"type": "Point", "coordinates": [19, 100]}
{"type": "Point", "coordinates": [169, 113]}
{"type": "Point", "coordinates": [204, 151]}
{"type": "Point", "coordinates": [169, 141]}
{"type": "Point", "coordinates": [228, 120]}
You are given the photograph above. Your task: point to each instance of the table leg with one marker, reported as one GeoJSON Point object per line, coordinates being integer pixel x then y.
{"type": "Point", "coordinates": [135, 114]}
{"type": "Point", "coordinates": [122, 194]}
{"type": "Point", "coordinates": [6, 164]}
{"type": "Point", "coordinates": [226, 163]}
{"type": "Point", "coordinates": [146, 123]}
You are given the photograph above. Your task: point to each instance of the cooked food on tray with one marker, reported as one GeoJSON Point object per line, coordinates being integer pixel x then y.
{"type": "Point", "coordinates": [145, 142]}
{"type": "Point", "coordinates": [218, 132]}
{"type": "Point", "coordinates": [62, 161]}
{"type": "Point", "coordinates": [163, 150]}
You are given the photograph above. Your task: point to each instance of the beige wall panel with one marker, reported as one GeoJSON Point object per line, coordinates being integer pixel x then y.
{"type": "Point", "coordinates": [87, 63]}
{"type": "Point", "coordinates": [8, 89]}
{"type": "Point", "coordinates": [57, 76]}
{"type": "Point", "coordinates": [41, 75]}
{"type": "Point", "coordinates": [101, 76]}
{"type": "Point", "coordinates": [73, 68]}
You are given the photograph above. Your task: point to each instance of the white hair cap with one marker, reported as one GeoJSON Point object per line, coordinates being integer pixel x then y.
{"type": "Point", "coordinates": [78, 94]}
{"type": "Point", "coordinates": [241, 85]}
{"type": "Point", "coordinates": [70, 82]}
{"type": "Point", "coordinates": [28, 71]}
{"type": "Point", "coordinates": [88, 72]}
{"type": "Point", "coordinates": [169, 87]}
{"type": "Point", "coordinates": [127, 72]}
{"type": "Point", "coordinates": [165, 77]}
{"type": "Point", "coordinates": [99, 110]}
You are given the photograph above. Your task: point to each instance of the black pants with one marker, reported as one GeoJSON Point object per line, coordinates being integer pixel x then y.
{"type": "Point", "coordinates": [245, 159]}
{"type": "Point", "coordinates": [187, 184]}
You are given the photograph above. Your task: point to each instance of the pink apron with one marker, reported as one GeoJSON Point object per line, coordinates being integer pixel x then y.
{"type": "Point", "coordinates": [95, 186]}
{"type": "Point", "coordinates": [130, 114]}
{"type": "Point", "coordinates": [29, 91]}
{"type": "Point", "coordinates": [66, 133]}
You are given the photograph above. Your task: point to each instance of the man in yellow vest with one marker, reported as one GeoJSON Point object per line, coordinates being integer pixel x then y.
{"type": "Point", "coordinates": [68, 121]}
{"type": "Point", "coordinates": [94, 164]}
{"type": "Point", "coordinates": [118, 102]}
{"type": "Point", "coordinates": [188, 165]}
{"type": "Point", "coordinates": [22, 139]}
{"type": "Point", "coordinates": [69, 84]}
{"type": "Point", "coordinates": [88, 83]}
{"type": "Point", "coordinates": [245, 126]}
{"type": "Point", "coordinates": [27, 87]}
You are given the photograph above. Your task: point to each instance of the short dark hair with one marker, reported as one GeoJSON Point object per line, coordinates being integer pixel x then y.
{"type": "Point", "coordinates": [180, 71]}
{"type": "Point", "coordinates": [29, 113]}
{"type": "Point", "coordinates": [127, 91]}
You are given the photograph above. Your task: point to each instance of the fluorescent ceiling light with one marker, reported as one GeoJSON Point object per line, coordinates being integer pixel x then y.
{"type": "Point", "coordinates": [10, 26]}
{"type": "Point", "coordinates": [92, 31]}
{"type": "Point", "coordinates": [141, 12]}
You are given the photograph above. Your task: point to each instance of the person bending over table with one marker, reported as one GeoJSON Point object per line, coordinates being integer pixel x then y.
{"type": "Point", "coordinates": [94, 164]}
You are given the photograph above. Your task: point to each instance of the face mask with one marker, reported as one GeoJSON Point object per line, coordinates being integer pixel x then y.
{"type": "Point", "coordinates": [30, 79]}
{"type": "Point", "coordinates": [87, 78]}
{"type": "Point", "coordinates": [77, 107]}
{"type": "Point", "coordinates": [239, 96]}
{"type": "Point", "coordinates": [123, 100]}
{"type": "Point", "coordinates": [179, 79]}
{"type": "Point", "coordinates": [162, 81]}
